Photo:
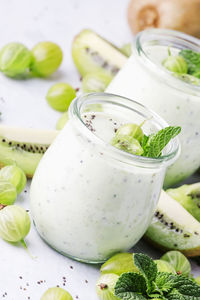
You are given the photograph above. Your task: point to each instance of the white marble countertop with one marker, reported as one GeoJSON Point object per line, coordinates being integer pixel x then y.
{"type": "Point", "coordinates": [23, 103]}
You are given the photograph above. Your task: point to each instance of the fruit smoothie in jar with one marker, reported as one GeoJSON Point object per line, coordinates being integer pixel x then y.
{"type": "Point", "coordinates": [175, 97]}
{"type": "Point", "coordinates": [88, 198]}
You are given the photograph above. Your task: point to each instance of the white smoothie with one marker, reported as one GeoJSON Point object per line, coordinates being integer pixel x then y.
{"type": "Point", "coordinates": [145, 80]}
{"type": "Point", "coordinates": [89, 199]}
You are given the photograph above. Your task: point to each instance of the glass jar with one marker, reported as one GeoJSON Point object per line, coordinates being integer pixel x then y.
{"type": "Point", "coordinates": [145, 79]}
{"type": "Point", "coordinates": [89, 199]}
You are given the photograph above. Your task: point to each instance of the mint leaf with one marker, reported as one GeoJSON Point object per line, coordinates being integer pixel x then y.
{"type": "Point", "coordinates": [146, 266]}
{"type": "Point", "coordinates": [164, 282]}
{"type": "Point", "coordinates": [193, 60]}
{"type": "Point", "coordinates": [131, 296]}
{"type": "Point", "coordinates": [158, 141]}
{"type": "Point", "coordinates": [130, 282]}
{"type": "Point", "coordinates": [187, 287]}
{"type": "Point", "coordinates": [175, 295]}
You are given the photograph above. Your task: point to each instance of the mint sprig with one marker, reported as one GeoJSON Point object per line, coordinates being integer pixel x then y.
{"type": "Point", "coordinates": [193, 60]}
{"type": "Point", "coordinates": [154, 144]}
{"type": "Point", "coordinates": [150, 283]}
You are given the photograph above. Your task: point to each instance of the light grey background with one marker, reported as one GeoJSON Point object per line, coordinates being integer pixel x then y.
{"type": "Point", "coordinates": [23, 103]}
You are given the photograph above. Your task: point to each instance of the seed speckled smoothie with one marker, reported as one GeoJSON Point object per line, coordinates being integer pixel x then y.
{"type": "Point", "coordinates": [88, 198]}
{"type": "Point", "coordinates": [145, 80]}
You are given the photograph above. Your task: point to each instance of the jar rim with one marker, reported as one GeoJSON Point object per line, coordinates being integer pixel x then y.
{"type": "Point", "coordinates": [99, 98]}
{"type": "Point", "coordinates": [164, 36]}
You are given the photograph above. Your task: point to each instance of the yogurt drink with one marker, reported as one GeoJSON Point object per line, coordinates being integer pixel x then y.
{"type": "Point", "coordinates": [89, 199]}
{"type": "Point", "coordinates": [143, 78]}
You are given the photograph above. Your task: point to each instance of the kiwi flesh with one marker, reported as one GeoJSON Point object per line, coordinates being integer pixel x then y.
{"type": "Point", "coordinates": [91, 53]}
{"type": "Point", "coordinates": [188, 195]}
{"type": "Point", "coordinates": [174, 228]}
{"type": "Point", "coordinates": [24, 147]}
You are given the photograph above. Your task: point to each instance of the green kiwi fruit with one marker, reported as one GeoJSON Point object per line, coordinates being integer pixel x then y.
{"type": "Point", "coordinates": [24, 147]}
{"type": "Point", "coordinates": [93, 54]}
{"type": "Point", "coordinates": [173, 228]}
{"type": "Point", "coordinates": [188, 195]}
{"type": "Point", "coordinates": [95, 82]}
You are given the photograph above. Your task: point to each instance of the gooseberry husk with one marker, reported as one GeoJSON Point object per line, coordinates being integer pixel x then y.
{"type": "Point", "coordinates": [14, 224]}
{"type": "Point", "coordinates": [119, 263]}
{"type": "Point", "coordinates": [47, 57]}
{"type": "Point", "coordinates": [15, 59]}
{"type": "Point", "coordinates": [180, 263]}
{"type": "Point", "coordinates": [105, 286]}
{"type": "Point", "coordinates": [60, 95]}
{"type": "Point", "coordinates": [56, 293]}
{"type": "Point", "coordinates": [176, 64]}
{"type": "Point", "coordinates": [62, 121]}
{"type": "Point", "coordinates": [8, 193]}
{"type": "Point", "coordinates": [14, 175]}
{"type": "Point", "coordinates": [95, 82]}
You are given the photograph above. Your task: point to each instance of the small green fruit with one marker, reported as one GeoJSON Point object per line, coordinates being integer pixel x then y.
{"type": "Point", "coordinates": [14, 175]}
{"type": "Point", "coordinates": [15, 59]}
{"type": "Point", "coordinates": [56, 293]}
{"type": "Point", "coordinates": [197, 279]}
{"type": "Point", "coordinates": [164, 266]}
{"type": "Point", "coordinates": [128, 144]}
{"type": "Point", "coordinates": [62, 121]}
{"type": "Point", "coordinates": [8, 193]}
{"type": "Point", "coordinates": [14, 223]}
{"type": "Point", "coordinates": [176, 64]}
{"type": "Point", "coordinates": [105, 287]}
{"type": "Point", "coordinates": [47, 57]}
{"type": "Point", "coordinates": [118, 264]}
{"type": "Point", "coordinates": [180, 263]}
{"type": "Point", "coordinates": [95, 82]}
{"type": "Point", "coordinates": [132, 130]}
{"type": "Point", "coordinates": [60, 95]}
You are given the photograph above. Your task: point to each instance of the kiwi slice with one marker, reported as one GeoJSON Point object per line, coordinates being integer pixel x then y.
{"type": "Point", "coordinates": [24, 147]}
{"type": "Point", "coordinates": [174, 228]}
{"type": "Point", "coordinates": [91, 53]}
{"type": "Point", "coordinates": [188, 195]}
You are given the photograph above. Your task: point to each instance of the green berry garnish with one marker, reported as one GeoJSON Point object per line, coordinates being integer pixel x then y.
{"type": "Point", "coordinates": [176, 64]}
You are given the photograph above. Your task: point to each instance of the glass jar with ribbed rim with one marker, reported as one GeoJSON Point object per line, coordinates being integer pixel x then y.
{"type": "Point", "coordinates": [89, 199]}
{"type": "Point", "coordinates": [144, 78]}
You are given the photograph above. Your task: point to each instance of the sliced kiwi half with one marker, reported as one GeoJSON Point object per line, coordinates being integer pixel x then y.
{"type": "Point", "coordinates": [188, 195]}
{"type": "Point", "coordinates": [174, 228]}
{"type": "Point", "coordinates": [24, 147]}
{"type": "Point", "coordinates": [92, 53]}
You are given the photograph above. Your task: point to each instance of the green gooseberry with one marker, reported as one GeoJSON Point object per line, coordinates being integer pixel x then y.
{"type": "Point", "coordinates": [197, 279]}
{"type": "Point", "coordinates": [47, 57]}
{"type": "Point", "coordinates": [164, 266]}
{"type": "Point", "coordinates": [128, 144]}
{"type": "Point", "coordinates": [105, 287]}
{"type": "Point", "coordinates": [62, 121]}
{"type": "Point", "coordinates": [14, 224]}
{"type": "Point", "coordinates": [119, 263]}
{"type": "Point", "coordinates": [14, 175]}
{"type": "Point", "coordinates": [178, 260]}
{"type": "Point", "coordinates": [188, 78]}
{"type": "Point", "coordinates": [15, 59]}
{"type": "Point", "coordinates": [56, 293]}
{"type": "Point", "coordinates": [132, 130]}
{"type": "Point", "coordinates": [8, 193]}
{"type": "Point", "coordinates": [176, 64]}
{"type": "Point", "coordinates": [95, 82]}
{"type": "Point", "coordinates": [60, 95]}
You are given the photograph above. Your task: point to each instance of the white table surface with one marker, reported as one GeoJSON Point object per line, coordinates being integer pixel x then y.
{"type": "Point", "coordinates": [23, 103]}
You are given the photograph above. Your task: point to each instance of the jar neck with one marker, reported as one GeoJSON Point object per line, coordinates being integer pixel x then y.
{"type": "Point", "coordinates": [103, 103]}
{"type": "Point", "coordinates": [169, 39]}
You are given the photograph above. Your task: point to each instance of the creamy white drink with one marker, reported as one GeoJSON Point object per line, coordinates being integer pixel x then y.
{"type": "Point", "coordinates": [145, 80]}
{"type": "Point", "coordinates": [89, 199]}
